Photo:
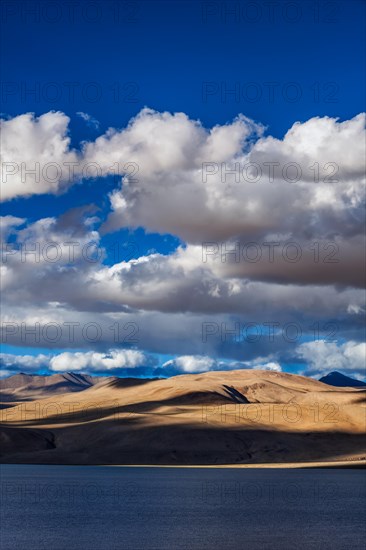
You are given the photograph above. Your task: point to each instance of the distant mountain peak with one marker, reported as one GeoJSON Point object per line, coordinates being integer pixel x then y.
{"type": "Point", "coordinates": [340, 380]}
{"type": "Point", "coordinates": [22, 386]}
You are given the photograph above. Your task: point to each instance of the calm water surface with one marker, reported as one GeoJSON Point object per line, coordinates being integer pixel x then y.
{"type": "Point", "coordinates": [101, 508]}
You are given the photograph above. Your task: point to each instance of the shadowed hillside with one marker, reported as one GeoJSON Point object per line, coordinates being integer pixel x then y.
{"type": "Point", "coordinates": [234, 417]}
{"type": "Point", "coordinates": [341, 381]}
{"type": "Point", "coordinates": [24, 387]}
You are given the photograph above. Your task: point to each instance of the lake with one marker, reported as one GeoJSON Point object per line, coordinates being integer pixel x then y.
{"type": "Point", "coordinates": [110, 508]}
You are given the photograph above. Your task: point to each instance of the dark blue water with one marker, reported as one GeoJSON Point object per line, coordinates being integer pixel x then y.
{"type": "Point", "coordinates": [101, 508]}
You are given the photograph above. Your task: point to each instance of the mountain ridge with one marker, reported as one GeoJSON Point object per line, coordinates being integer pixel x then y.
{"type": "Point", "coordinates": [220, 417]}
{"type": "Point", "coordinates": [22, 386]}
{"type": "Point", "coordinates": [337, 379]}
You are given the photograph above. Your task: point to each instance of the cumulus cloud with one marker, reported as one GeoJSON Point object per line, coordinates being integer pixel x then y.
{"type": "Point", "coordinates": [176, 176]}
{"type": "Point", "coordinates": [176, 304]}
{"type": "Point", "coordinates": [323, 357]}
{"type": "Point", "coordinates": [180, 282]}
{"type": "Point", "coordinates": [152, 143]}
{"type": "Point", "coordinates": [111, 361]}
{"type": "Point", "coordinates": [271, 365]}
{"type": "Point", "coordinates": [227, 192]}
{"type": "Point", "coordinates": [119, 360]}
{"type": "Point", "coordinates": [283, 186]}
{"type": "Point", "coordinates": [30, 363]}
{"type": "Point", "coordinates": [8, 225]}
{"type": "Point", "coordinates": [35, 155]}
{"type": "Point", "coordinates": [190, 364]}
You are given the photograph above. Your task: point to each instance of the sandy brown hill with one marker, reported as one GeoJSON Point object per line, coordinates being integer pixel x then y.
{"type": "Point", "coordinates": [245, 416]}
{"type": "Point", "coordinates": [23, 387]}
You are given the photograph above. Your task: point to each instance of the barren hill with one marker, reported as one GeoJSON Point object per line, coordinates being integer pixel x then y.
{"type": "Point", "coordinates": [23, 387]}
{"type": "Point", "coordinates": [231, 417]}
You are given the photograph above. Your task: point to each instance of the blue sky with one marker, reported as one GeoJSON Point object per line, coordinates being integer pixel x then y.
{"type": "Point", "coordinates": [100, 65]}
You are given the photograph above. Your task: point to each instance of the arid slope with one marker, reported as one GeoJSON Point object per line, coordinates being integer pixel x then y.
{"type": "Point", "coordinates": [244, 416]}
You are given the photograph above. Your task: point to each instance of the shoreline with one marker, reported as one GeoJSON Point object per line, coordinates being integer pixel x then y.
{"type": "Point", "coordinates": [341, 464]}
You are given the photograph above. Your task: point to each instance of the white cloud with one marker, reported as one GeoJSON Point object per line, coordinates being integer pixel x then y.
{"type": "Point", "coordinates": [272, 365]}
{"type": "Point", "coordinates": [180, 282]}
{"type": "Point", "coordinates": [323, 357]}
{"type": "Point", "coordinates": [173, 193]}
{"type": "Point", "coordinates": [34, 155]}
{"type": "Point", "coordinates": [169, 297]}
{"type": "Point", "coordinates": [113, 360]}
{"type": "Point", "coordinates": [9, 222]}
{"type": "Point", "coordinates": [166, 187]}
{"type": "Point", "coordinates": [191, 364]}
{"type": "Point", "coordinates": [30, 363]}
